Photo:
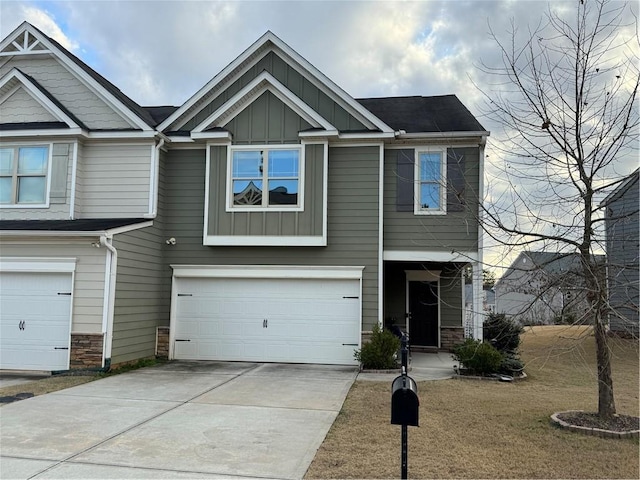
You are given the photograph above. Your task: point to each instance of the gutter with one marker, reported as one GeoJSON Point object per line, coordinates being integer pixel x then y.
{"type": "Point", "coordinates": [109, 298]}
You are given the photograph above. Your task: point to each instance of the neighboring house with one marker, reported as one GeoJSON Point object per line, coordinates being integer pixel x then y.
{"type": "Point", "coordinates": [544, 288]}
{"type": "Point", "coordinates": [623, 249]}
{"type": "Point", "coordinates": [272, 217]}
{"type": "Point", "coordinates": [488, 298]}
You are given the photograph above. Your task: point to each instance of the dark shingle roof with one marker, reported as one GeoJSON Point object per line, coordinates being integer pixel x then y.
{"type": "Point", "coordinates": [81, 225]}
{"type": "Point", "coordinates": [160, 114]}
{"type": "Point", "coordinates": [6, 127]}
{"type": "Point", "coordinates": [444, 113]}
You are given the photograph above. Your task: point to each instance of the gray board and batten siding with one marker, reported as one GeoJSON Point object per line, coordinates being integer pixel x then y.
{"type": "Point", "coordinates": [455, 231]}
{"type": "Point", "coordinates": [308, 222]}
{"type": "Point", "coordinates": [352, 220]}
{"type": "Point", "coordinates": [266, 121]}
{"type": "Point", "coordinates": [290, 78]}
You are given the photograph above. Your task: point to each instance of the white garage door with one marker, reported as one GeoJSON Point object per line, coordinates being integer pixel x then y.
{"type": "Point", "coordinates": [267, 320]}
{"type": "Point", "coordinates": [35, 317]}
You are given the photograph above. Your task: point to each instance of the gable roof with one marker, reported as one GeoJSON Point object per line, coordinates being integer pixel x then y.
{"type": "Point", "coordinates": [552, 264]}
{"type": "Point", "coordinates": [10, 44]}
{"type": "Point", "coordinates": [625, 185]}
{"type": "Point", "coordinates": [267, 43]}
{"type": "Point", "coordinates": [16, 77]}
{"type": "Point", "coordinates": [444, 113]}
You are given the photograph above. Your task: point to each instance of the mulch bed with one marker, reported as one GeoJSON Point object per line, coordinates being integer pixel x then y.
{"type": "Point", "coordinates": [619, 423]}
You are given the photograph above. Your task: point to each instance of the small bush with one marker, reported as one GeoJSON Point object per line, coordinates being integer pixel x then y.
{"type": "Point", "coordinates": [478, 357]}
{"type": "Point", "coordinates": [381, 352]}
{"type": "Point", "coordinates": [502, 332]}
{"type": "Point", "coordinates": [511, 365]}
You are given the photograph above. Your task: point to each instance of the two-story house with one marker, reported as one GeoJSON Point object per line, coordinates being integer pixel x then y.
{"type": "Point", "coordinates": [622, 228]}
{"type": "Point", "coordinates": [545, 288]}
{"type": "Point", "coordinates": [272, 217]}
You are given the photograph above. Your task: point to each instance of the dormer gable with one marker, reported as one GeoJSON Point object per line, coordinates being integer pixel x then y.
{"type": "Point", "coordinates": [25, 105]}
{"type": "Point", "coordinates": [28, 42]}
{"type": "Point", "coordinates": [245, 98]}
{"type": "Point", "coordinates": [270, 64]}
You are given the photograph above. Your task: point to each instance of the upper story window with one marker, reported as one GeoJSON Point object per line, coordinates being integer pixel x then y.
{"type": "Point", "coordinates": [431, 182]}
{"type": "Point", "coordinates": [264, 178]}
{"type": "Point", "coordinates": [23, 175]}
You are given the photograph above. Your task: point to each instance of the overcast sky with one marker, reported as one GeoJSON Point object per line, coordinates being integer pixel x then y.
{"type": "Point", "coordinates": [162, 52]}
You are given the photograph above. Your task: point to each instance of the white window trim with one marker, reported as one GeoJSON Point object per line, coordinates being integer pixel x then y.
{"type": "Point", "coordinates": [417, 210]}
{"type": "Point", "coordinates": [24, 206]}
{"type": "Point", "coordinates": [230, 207]}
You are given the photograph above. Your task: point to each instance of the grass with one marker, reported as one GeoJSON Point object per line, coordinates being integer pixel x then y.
{"type": "Point", "coordinates": [61, 382]}
{"type": "Point", "coordinates": [471, 429]}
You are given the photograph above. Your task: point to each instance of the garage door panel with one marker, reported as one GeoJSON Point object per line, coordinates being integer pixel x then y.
{"type": "Point", "coordinates": [280, 320]}
{"type": "Point", "coordinates": [35, 320]}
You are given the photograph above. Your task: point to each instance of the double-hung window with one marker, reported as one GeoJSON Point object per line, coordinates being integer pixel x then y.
{"type": "Point", "coordinates": [23, 175]}
{"type": "Point", "coordinates": [430, 185]}
{"type": "Point", "coordinates": [265, 178]}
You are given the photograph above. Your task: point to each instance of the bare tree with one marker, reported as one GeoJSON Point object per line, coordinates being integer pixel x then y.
{"type": "Point", "coordinates": [566, 98]}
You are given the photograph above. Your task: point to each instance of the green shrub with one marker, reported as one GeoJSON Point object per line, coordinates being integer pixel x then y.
{"type": "Point", "coordinates": [502, 332]}
{"type": "Point", "coordinates": [478, 357]}
{"type": "Point", "coordinates": [381, 352]}
{"type": "Point", "coordinates": [511, 365]}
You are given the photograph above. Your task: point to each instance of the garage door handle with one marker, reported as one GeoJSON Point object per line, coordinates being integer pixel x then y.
{"type": "Point", "coordinates": [182, 340]}
{"type": "Point", "coordinates": [349, 344]}
{"type": "Point", "coordinates": [351, 297]}
{"type": "Point", "coordinates": [64, 293]}
{"type": "Point", "coordinates": [61, 348]}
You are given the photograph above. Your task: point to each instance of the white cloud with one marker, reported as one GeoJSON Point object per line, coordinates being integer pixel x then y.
{"type": "Point", "coordinates": [46, 22]}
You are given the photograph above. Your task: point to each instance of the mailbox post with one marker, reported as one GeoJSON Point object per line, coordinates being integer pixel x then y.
{"type": "Point", "coordinates": [404, 405]}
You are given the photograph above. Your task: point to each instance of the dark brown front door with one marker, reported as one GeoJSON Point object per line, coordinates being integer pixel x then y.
{"type": "Point", "coordinates": [423, 310]}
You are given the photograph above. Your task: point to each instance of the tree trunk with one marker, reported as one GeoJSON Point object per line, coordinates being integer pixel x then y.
{"type": "Point", "coordinates": [606, 403]}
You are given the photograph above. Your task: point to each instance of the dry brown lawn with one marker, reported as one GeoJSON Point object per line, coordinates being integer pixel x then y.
{"type": "Point", "coordinates": [46, 385]}
{"type": "Point", "coordinates": [472, 429]}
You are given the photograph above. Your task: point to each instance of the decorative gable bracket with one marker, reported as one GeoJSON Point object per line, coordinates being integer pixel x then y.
{"type": "Point", "coordinates": [24, 43]}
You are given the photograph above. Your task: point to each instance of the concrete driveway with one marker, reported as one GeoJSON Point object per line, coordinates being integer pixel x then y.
{"type": "Point", "coordinates": [179, 420]}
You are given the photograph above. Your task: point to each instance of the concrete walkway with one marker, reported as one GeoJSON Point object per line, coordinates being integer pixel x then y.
{"type": "Point", "coordinates": [179, 420]}
{"type": "Point", "coordinates": [423, 366]}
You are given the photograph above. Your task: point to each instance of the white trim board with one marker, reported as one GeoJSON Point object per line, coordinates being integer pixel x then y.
{"type": "Point", "coordinates": [268, 271]}
{"type": "Point", "coordinates": [429, 256]}
{"type": "Point", "coordinates": [37, 264]}
{"type": "Point", "coordinates": [266, 240]}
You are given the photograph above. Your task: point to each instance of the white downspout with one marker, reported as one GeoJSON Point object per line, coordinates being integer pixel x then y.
{"type": "Point", "coordinates": [478, 293]}
{"type": "Point", "coordinates": [154, 181]}
{"type": "Point", "coordinates": [111, 298]}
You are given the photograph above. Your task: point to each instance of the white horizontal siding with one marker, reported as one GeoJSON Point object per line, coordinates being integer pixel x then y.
{"type": "Point", "coordinates": [68, 90]}
{"type": "Point", "coordinates": [21, 107]}
{"type": "Point", "coordinates": [88, 295]}
{"type": "Point", "coordinates": [115, 180]}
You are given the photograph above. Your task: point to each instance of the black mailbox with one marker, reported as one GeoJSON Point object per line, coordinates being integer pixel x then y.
{"type": "Point", "coordinates": [404, 401]}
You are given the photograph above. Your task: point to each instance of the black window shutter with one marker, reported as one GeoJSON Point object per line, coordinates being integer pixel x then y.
{"type": "Point", "coordinates": [455, 180]}
{"type": "Point", "coordinates": [404, 175]}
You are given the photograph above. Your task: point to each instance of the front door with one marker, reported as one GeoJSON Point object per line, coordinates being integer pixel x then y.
{"type": "Point", "coordinates": [423, 313]}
